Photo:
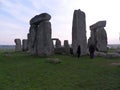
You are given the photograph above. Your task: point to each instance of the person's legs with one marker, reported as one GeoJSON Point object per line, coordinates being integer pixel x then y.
{"type": "Point", "coordinates": [91, 55]}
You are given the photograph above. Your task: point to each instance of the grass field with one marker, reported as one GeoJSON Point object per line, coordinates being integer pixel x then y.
{"type": "Point", "coordinates": [19, 71]}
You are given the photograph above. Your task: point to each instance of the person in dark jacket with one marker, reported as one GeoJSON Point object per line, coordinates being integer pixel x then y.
{"type": "Point", "coordinates": [91, 50]}
{"type": "Point", "coordinates": [78, 51]}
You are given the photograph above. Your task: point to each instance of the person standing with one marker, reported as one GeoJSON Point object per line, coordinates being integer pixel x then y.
{"type": "Point", "coordinates": [91, 50]}
{"type": "Point", "coordinates": [78, 51]}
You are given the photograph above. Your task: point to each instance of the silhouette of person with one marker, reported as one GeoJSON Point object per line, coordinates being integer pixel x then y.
{"type": "Point", "coordinates": [78, 51]}
{"type": "Point", "coordinates": [91, 50]}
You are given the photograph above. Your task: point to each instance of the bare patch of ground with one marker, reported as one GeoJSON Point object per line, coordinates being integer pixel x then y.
{"type": "Point", "coordinates": [115, 64]}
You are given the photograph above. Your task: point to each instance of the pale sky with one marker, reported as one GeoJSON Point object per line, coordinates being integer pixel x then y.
{"type": "Point", "coordinates": [15, 16]}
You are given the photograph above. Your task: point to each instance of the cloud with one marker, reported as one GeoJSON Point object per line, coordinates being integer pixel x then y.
{"type": "Point", "coordinates": [19, 11]}
{"type": "Point", "coordinates": [15, 16]}
{"type": "Point", "coordinates": [14, 21]}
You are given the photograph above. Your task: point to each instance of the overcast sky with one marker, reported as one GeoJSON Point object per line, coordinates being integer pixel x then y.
{"type": "Point", "coordinates": [15, 16]}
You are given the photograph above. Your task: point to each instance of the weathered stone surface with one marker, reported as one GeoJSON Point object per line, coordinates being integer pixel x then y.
{"type": "Point", "coordinates": [44, 45]}
{"type": "Point", "coordinates": [100, 54]}
{"type": "Point", "coordinates": [90, 42]}
{"type": "Point", "coordinates": [32, 39]}
{"type": "Point", "coordinates": [58, 43]}
{"type": "Point", "coordinates": [66, 47]}
{"type": "Point", "coordinates": [79, 32]}
{"type": "Point", "coordinates": [99, 36]}
{"type": "Point", "coordinates": [53, 60]}
{"type": "Point", "coordinates": [39, 37]}
{"type": "Point", "coordinates": [25, 44]}
{"type": "Point", "coordinates": [59, 50]}
{"type": "Point", "coordinates": [98, 25]}
{"type": "Point", "coordinates": [18, 46]}
{"type": "Point", "coordinates": [115, 64]}
{"type": "Point", "coordinates": [52, 48]}
{"type": "Point", "coordinates": [66, 44]}
{"type": "Point", "coordinates": [112, 55]}
{"type": "Point", "coordinates": [40, 18]}
{"type": "Point", "coordinates": [55, 39]}
{"type": "Point", "coordinates": [118, 51]}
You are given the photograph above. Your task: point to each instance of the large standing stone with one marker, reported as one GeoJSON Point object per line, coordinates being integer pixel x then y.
{"type": "Point", "coordinates": [25, 44]}
{"type": "Point", "coordinates": [44, 42]}
{"type": "Point", "coordinates": [39, 37]}
{"type": "Point", "coordinates": [79, 32]}
{"type": "Point", "coordinates": [18, 46]}
{"type": "Point", "coordinates": [58, 43]}
{"type": "Point", "coordinates": [99, 35]}
{"type": "Point", "coordinates": [66, 47]}
{"type": "Point", "coordinates": [31, 39]}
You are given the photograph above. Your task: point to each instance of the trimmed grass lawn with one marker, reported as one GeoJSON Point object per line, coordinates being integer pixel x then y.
{"type": "Point", "coordinates": [19, 71]}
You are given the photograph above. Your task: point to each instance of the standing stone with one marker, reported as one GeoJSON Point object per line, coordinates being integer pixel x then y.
{"type": "Point", "coordinates": [79, 32]}
{"type": "Point", "coordinates": [66, 44]}
{"type": "Point", "coordinates": [99, 35]}
{"type": "Point", "coordinates": [53, 49]}
{"type": "Point", "coordinates": [18, 46]}
{"type": "Point", "coordinates": [32, 39]}
{"type": "Point", "coordinates": [28, 38]}
{"type": "Point", "coordinates": [39, 37]}
{"type": "Point", "coordinates": [58, 43]}
{"type": "Point", "coordinates": [25, 44]}
{"type": "Point", "coordinates": [44, 43]}
{"type": "Point", "coordinates": [66, 47]}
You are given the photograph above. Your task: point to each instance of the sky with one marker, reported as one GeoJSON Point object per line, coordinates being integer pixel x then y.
{"type": "Point", "coordinates": [15, 16]}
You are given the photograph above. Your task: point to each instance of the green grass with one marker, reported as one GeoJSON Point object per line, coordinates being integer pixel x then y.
{"type": "Point", "coordinates": [20, 71]}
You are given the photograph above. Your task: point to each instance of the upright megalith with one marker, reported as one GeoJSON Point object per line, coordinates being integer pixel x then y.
{"type": "Point", "coordinates": [31, 39]}
{"type": "Point", "coordinates": [66, 47]}
{"type": "Point", "coordinates": [39, 37]}
{"type": "Point", "coordinates": [99, 36]}
{"type": "Point", "coordinates": [58, 43]}
{"type": "Point", "coordinates": [18, 46]}
{"type": "Point", "coordinates": [44, 41]}
{"type": "Point", "coordinates": [66, 44]}
{"type": "Point", "coordinates": [24, 44]}
{"type": "Point", "coordinates": [79, 32]}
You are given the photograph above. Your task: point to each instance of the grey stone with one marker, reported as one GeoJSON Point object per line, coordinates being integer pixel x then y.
{"type": "Point", "coordinates": [58, 43]}
{"type": "Point", "coordinates": [115, 64]}
{"type": "Point", "coordinates": [118, 51]}
{"type": "Point", "coordinates": [40, 18]}
{"type": "Point", "coordinates": [25, 44]}
{"type": "Point", "coordinates": [99, 24]}
{"type": "Point", "coordinates": [39, 37]}
{"type": "Point", "coordinates": [66, 47]}
{"type": "Point", "coordinates": [18, 46]}
{"type": "Point", "coordinates": [79, 32]}
{"type": "Point", "coordinates": [59, 50]}
{"type": "Point", "coordinates": [66, 44]}
{"type": "Point", "coordinates": [32, 39]}
{"type": "Point", "coordinates": [90, 42]}
{"type": "Point", "coordinates": [99, 36]}
{"type": "Point", "coordinates": [44, 45]}
{"type": "Point", "coordinates": [100, 54]}
{"type": "Point", "coordinates": [53, 60]}
{"type": "Point", "coordinates": [112, 55]}
{"type": "Point", "coordinates": [52, 47]}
